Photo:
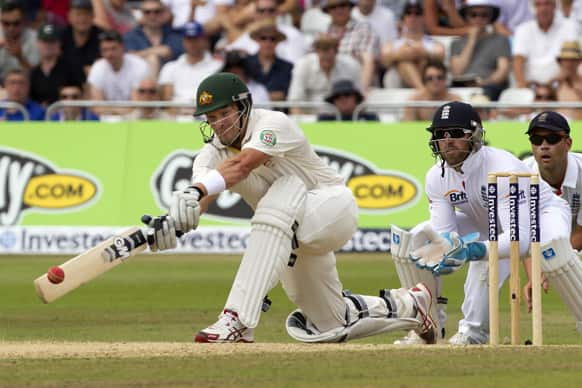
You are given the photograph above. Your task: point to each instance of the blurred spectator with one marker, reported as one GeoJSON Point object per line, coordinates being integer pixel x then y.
{"type": "Point", "coordinates": [17, 86]}
{"type": "Point", "coordinates": [114, 15]}
{"type": "Point", "coordinates": [396, 6]}
{"type": "Point", "coordinates": [114, 76]}
{"type": "Point", "coordinates": [56, 12]}
{"type": "Point", "coordinates": [481, 58]}
{"type": "Point", "coordinates": [202, 11]}
{"type": "Point", "coordinates": [80, 41]}
{"type": "Point", "coordinates": [434, 76]}
{"type": "Point", "coordinates": [511, 14]}
{"type": "Point", "coordinates": [570, 81]}
{"type": "Point", "coordinates": [572, 10]}
{"type": "Point", "coordinates": [293, 48]}
{"type": "Point", "coordinates": [346, 97]}
{"type": "Point", "coordinates": [408, 55]}
{"type": "Point", "coordinates": [147, 90]}
{"type": "Point", "coordinates": [536, 44]}
{"type": "Point", "coordinates": [235, 62]}
{"type": "Point", "coordinates": [441, 17]}
{"type": "Point", "coordinates": [53, 70]}
{"type": "Point", "coordinates": [153, 40]}
{"type": "Point", "coordinates": [314, 74]}
{"type": "Point", "coordinates": [179, 79]}
{"type": "Point", "coordinates": [313, 20]}
{"type": "Point", "coordinates": [381, 19]}
{"type": "Point", "coordinates": [18, 46]}
{"type": "Point", "coordinates": [266, 67]}
{"type": "Point", "coordinates": [72, 92]}
{"type": "Point", "coordinates": [356, 38]}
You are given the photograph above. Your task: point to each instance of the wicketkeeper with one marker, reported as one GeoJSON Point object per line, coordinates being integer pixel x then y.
{"type": "Point", "coordinates": [456, 187]}
{"type": "Point", "coordinates": [303, 212]}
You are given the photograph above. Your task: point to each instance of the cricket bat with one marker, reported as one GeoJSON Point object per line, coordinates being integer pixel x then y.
{"type": "Point", "coordinates": [92, 263]}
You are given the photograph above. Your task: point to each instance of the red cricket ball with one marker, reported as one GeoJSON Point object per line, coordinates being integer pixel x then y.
{"type": "Point", "coordinates": [55, 275]}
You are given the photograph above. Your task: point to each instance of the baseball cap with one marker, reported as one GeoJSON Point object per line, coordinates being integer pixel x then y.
{"type": "Point", "coordinates": [82, 4]}
{"type": "Point", "coordinates": [48, 32]}
{"type": "Point", "coordinates": [193, 29]}
{"type": "Point", "coordinates": [549, 120]}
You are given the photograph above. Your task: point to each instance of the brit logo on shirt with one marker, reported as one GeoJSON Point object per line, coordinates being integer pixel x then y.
{"type": "Point", "coordinates": [456, 197]}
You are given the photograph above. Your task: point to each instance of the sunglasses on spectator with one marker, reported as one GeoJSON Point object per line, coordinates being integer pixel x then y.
{"type": "Point", "coordinates": [415, 12]}
{"type": "Point", "coordinates": [476, 14]}
{"type": "Point", "coordinates": [543, 97]}
{"type": "Point", "coordinates": [147, 91]}
{"type": "Point", "coordinates": [342, 5]}
{"type": "Point", "coordinates": [268, 38]}
{"type": "Point", "coordinates": [155, 11]}
{"type": "Point", "coordinates": [434, 78]}
{"type": "Point", "coordinates": [552, 138]}
{"type": "Point", "coordinates": [266, 10]}
{"type": "Point", "coordinates": [70, 96]}
{"type": "Point", "coordinates": [7, 23]}
{"type": "Point", "coordinates": [453, 133]}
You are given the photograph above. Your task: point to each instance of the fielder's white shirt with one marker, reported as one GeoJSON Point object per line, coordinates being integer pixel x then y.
{"type": "Point", "coordinates": [466, 193]}
{"type": "Point", "coordinates": [117, 85]}
{"type": "Point", "coordinates": [275, 134]}
{"type": "Point", "coordinates": [571, 187]}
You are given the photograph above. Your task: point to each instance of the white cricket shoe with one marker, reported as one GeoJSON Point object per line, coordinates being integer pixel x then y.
{"type": "Point", "coordinates": [410, 339]}
{"type": "Point", "coordinates": [422, 298]}
{"type": "Point", "coordinates": [228, 329]}
{"type": "Point", "coordinates": [463, 339]}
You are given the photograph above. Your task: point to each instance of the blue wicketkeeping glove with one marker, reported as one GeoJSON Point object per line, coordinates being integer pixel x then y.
{"type": "Point", "coordinates": [465, 248]}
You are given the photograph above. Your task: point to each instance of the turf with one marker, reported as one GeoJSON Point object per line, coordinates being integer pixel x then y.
{"type": "Point", "coordinates": [167, 298]}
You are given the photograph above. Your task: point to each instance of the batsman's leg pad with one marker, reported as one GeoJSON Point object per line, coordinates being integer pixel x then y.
{"type": "Point", "coordinates": [563, 269]}
{"type": "Point", "coordinates": [365, 316]}
{"type": "Point", "coordinates": [269, 248]}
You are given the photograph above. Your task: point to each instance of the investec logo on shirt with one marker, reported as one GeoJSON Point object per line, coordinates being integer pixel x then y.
{"type": "Point", "coordinates": [456, 197]}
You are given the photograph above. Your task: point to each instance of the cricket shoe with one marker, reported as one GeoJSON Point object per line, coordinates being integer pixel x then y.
{"type": "Point", "coordinates": [463, 339]}
{"type": "Point", "coordinates": [422, 297]}
{"type": "Point", "coordinates": [228, 329]}
{"type": "Point", "coordinates": [410, 339]}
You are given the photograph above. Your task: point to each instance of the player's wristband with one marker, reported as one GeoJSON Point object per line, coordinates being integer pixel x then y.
{"type": "Point", "coordinates": [213, 181]}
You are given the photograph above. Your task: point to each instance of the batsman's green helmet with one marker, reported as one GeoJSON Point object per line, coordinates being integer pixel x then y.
{"type": "Point", "coordinates": [218, 91]}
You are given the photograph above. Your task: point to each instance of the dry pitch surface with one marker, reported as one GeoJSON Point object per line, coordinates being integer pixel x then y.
{"type": "Point", "coordinates": [55, 350]}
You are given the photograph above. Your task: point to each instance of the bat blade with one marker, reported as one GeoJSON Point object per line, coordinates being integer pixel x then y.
{"type": "Point", "coordinates": [92, 263]}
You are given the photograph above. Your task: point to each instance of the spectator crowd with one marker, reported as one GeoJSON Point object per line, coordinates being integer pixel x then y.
{"type": "Point", "coordinates": [316, 51]}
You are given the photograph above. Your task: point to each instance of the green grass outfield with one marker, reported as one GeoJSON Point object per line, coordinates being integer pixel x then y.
{"type": "Point", "coordinates": [134, 325]}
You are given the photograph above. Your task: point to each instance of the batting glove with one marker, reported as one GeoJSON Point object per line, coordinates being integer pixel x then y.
{"type": "Point", "coordinates": [185, 208]}
{"type": "Point", "coordinates": [161, 233]}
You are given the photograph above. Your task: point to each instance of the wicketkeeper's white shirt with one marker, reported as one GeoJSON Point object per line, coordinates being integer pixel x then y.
{"type": "Point", "coordinates": [466, 193]}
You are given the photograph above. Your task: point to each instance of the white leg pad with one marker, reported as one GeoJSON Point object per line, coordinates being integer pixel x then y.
{"type": "Point", "coordinates": [563, 269]}
{"type": "Point", "coordinates": [366, 316]}
{"type": "Point", "coordinates": [268, 249]}
{"type": "Point", "coordinates": [402, 243]}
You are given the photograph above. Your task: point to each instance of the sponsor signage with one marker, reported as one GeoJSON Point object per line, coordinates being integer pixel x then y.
{"type": "Point", "coordinates": [376, 190]}
{"type": "Point", "coordinates": [33, 183]}
{"type": "Point", "coordinates": [206, 240]}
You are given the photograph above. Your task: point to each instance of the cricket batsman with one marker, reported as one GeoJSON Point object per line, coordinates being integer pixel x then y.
{"type": "Point", "coordinates": [303, 212]}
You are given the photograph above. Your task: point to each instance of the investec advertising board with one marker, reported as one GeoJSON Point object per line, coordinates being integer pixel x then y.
{"type": "Point", "coordinates": [67, 186]}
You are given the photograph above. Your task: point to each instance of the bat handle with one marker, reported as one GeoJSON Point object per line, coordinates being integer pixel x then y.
{"type": "Point", "coordinates": [146, 219]}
